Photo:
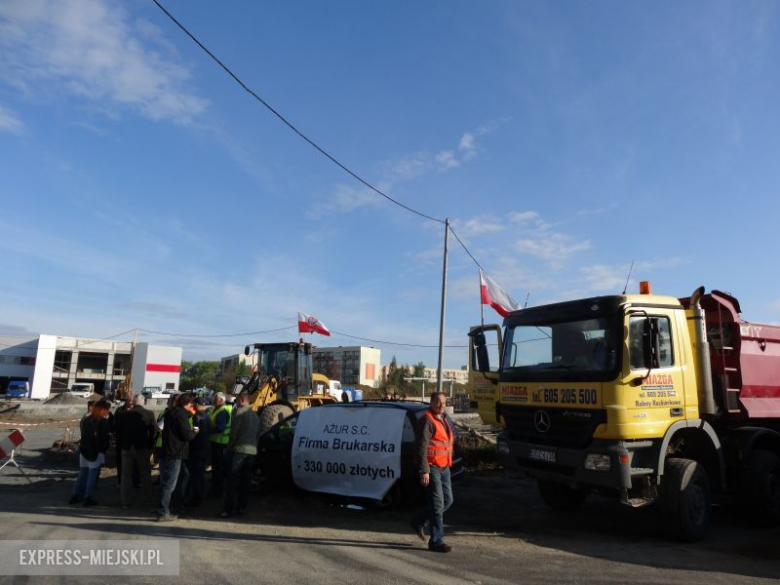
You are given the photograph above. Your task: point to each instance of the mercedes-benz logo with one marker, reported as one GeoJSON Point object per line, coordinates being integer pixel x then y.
{"type": "Point", "coordinates": [542, 421]}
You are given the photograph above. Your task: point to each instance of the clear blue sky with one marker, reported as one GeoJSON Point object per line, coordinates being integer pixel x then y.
{"type": "Point", "coordinates": [141, 187]}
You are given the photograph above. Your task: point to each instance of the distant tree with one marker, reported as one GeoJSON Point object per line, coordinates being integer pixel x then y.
{"type": "Point", "coordinates": [396, 374]}
{"type": "Point", "coordinates": [199, 374]}
{"type": "Point", "coordinates": [228, 377]}
{"type": "Point", "coordinates": [419, 372]}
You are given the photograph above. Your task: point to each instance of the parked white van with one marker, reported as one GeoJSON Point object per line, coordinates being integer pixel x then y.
{"type": "Point", "coordinates": [82, 389]}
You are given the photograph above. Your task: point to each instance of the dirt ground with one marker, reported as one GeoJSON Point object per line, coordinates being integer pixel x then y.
{"type": "Point", "coordinates": [500, 530]}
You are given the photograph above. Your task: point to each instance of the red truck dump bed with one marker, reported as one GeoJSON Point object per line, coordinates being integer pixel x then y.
{"type": "Point", "coordinates": [745, 359]}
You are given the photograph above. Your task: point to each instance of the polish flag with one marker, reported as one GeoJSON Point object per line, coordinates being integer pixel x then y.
{"type": "Point", "coordinates": [493, 295]}
{"type": "Point", "coordinates": [310, 324]}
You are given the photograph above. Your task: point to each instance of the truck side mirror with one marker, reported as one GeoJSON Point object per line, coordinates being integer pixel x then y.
{"type": "Point", "coordinates": [481, 358]}
{"type": "Point", "coordinates": [651, 344]}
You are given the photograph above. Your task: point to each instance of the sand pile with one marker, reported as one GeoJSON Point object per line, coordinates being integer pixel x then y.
{"type": "Point", "coordinates": [66, 398]}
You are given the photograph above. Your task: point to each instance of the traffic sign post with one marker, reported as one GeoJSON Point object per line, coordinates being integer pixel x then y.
{"type": "Point", "coordinates": [8, 448]}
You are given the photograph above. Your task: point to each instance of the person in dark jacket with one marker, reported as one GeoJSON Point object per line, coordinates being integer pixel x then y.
{"type": "Point", "coordinates": [177, 433]}
{"type": "Point", "coordinates": [117, 430]}
{"type": "Point", "coordinates": [95, 441]}
{"type": "Point", "coordinates": [198, 456]}
{"type": "Point", "coordinates": [135, 434]}
{"type": "Point", "coordinates": [242, 449]}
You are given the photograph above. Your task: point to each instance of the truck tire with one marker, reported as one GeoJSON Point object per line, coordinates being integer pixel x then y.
{"type": "Point", "coordinates": [761, 488]}
{"type": "Point", "coordinates": [686, 500]}
{"type": "Point", "coordinates": [561, 497]}
{"type": "Point", "coordinates": [272, 414]}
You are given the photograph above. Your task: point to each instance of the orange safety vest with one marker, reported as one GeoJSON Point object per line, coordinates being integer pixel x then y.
{"type": "Point", "coordinates": [441, 444]}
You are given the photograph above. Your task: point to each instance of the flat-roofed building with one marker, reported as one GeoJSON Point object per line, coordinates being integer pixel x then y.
{"type": "Point", "coordinates": [460, 376]}
{"type": "Point", "coordinates": [350, 365]}
{"type": "Point", "coordinates": [52, 364]}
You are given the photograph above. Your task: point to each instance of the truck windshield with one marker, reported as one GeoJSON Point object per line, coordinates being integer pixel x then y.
{"type": "Point", "coordinates": [584, 349]}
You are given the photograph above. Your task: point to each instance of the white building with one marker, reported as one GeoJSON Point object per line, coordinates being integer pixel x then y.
{"type": "Point", "coordinates": [51, 364]}
{"type": "Point", "coordinates": [232, 363]}
{"type": "Point", "coordinates": [460, 376]}
{"type": "Point", "coordinates": [351, 365]}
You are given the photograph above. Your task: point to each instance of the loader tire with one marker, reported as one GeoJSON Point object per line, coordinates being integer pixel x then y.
{"type": "Point", "coordinates": [686, 500]}
{"type": "Point", "coordinates": [272, 414]}
{"type": "Point", "coordinates": [761, 488]}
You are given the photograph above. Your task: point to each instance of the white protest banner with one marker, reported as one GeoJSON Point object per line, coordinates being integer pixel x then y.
{"type": "Point", "coordinates": [354, 451]}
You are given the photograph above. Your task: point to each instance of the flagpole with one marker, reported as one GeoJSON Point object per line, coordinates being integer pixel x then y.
{"type": "Point", "coordinates": [439, 380]}
{"type": "Point", "coordinates": [481, 305]}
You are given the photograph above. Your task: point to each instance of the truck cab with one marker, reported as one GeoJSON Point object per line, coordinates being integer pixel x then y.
{"type": "Point", "coordinates": [640, 397]}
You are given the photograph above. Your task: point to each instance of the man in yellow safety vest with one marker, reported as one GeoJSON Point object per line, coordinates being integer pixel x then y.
{"type": "Point", "coordinates": [220, 418]}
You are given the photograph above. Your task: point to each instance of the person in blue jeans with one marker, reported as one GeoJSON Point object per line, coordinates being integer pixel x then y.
{"type": "Point", "coordinates": [95, 441]}
{"type": "Point", "coordinates": [178, 431]}
{"type": "Point", "coordinates": [435, 443]}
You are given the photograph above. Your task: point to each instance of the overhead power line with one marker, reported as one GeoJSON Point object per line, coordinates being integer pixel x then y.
{"type": "Point", "coordinates": [303, 136]}
{"type": "Point", "coordinates": [466, 249]}
{"type": "Point", "coordinates": [381, 342]}
{"type": "Point", "coordinates": [222, 335]}
{"type": "Point", "coordinates": [202, 336]}
{"type": "Point", "coordinates": [289, 124]}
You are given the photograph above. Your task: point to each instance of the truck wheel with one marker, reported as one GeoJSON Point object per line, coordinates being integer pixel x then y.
{"type": "Point", "coordinates": [272, 414]}
{"type": "Point", "coordinates": [761, 491]}
{"type": "Point", "coordinates": [561, 497]}
{"type": "Point", "coordinates": [686, 501]}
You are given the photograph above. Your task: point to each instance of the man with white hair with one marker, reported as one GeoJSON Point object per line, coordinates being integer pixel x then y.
{"type": "Point", "coordinates": [241, 453]}
{"type": "Point", "coordinates": [135, 430]}
{"type": "Point", "coordinates": [219, 418]}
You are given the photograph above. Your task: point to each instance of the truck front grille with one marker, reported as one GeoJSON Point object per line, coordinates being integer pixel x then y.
{"type": "Point", "coordinates": [559, 427]}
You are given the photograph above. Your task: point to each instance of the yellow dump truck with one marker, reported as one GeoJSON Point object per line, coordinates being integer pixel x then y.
{"type": "Point", "coordinates": [645, 398]}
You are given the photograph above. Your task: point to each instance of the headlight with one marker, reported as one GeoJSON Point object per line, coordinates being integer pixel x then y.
{"type": "Point", "coordinates": [503, 448]}
{"type": "Point", "coordinates": [596, 462]}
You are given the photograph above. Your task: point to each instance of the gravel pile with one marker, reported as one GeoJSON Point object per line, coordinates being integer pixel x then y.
{"type": "Point", "coordinates": [66, 398]}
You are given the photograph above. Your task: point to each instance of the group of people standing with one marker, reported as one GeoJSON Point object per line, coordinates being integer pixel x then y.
{"type": "Point", "coordinates": [183, 439]}
{"type": "Point", "coordinates": [186, 436]}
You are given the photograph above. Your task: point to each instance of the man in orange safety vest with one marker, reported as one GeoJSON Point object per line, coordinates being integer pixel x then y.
{"type": "Point", "coordinates": [435, 442]}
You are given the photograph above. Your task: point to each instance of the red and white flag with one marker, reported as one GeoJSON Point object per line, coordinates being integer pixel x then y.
{"type": "Point", "coordinates": [494, 295]}
{"type": "Point", "coordinates": [310, 324]}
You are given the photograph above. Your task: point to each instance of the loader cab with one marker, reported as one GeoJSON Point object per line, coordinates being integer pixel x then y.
{"type": "Point", "coordinates": [289, 363]}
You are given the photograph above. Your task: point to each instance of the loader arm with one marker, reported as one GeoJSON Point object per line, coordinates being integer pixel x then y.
{"type": "Point", "coordinates": [263, 392]}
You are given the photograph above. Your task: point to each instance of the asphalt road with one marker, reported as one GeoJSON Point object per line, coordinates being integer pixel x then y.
{"type": "Point", "coordinates": [499, 528]}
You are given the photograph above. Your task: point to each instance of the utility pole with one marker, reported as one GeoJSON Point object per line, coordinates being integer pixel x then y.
{"type": "Point", "coordinates": [128, 383]}
{"type": "Point", "coordinates": [439, 380]}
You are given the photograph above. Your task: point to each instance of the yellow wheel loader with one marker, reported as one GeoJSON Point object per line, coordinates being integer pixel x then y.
{"type": "Point", "coordinates": [282, 381]}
